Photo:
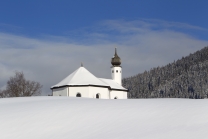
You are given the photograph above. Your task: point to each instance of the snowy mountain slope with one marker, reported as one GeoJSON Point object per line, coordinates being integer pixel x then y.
{"type": "Point", "coordinates": [81, 118]}
{"type": "Point", "coordinates": [184, 78]}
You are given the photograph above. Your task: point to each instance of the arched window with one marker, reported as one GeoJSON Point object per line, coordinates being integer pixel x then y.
{"type": "Point", "coordinates": [115, 98]}
{"type": "Point", "coordinates": [97, 96]}
{"type": "Point", "coordinates": [78, 95]}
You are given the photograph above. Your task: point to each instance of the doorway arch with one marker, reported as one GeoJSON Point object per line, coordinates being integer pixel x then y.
{"type": "Point", "coordinates": [78, 95]}
{"type": "Point", "coordinates": [97, 96]}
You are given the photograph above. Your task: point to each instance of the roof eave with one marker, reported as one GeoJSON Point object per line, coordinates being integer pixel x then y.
{"type": "Point", "coordinates": [55, 87]}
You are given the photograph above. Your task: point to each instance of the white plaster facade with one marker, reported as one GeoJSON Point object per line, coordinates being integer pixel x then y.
{"type": "Point", "coordinates": [85, 91]}
{"type": "Point", "coordinates": [90, 92]}
{"type": "Point", "coordinates": [116, 74]}
{"type": "Point", "coordinates": [82, 83]}
{"type": "Point", "coordinates": [63, 91]}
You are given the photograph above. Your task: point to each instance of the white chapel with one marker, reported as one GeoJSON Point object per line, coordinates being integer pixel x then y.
{"type": "Point", "coordinates": [82, 83]}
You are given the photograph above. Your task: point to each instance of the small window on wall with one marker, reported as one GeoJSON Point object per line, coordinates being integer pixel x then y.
{"type": "Point", "coordinates": [120, 71]}
{"type": "Point", "coordinates": [112, 71]}
{"type": "Point", "coordinates": [78, 95]}
{"type": "Point", "coordinates": [97, 96]}
{"type": "Point", "coordinates": [117, 71]}
{"type": "Point", "coordinates": [115, 98]}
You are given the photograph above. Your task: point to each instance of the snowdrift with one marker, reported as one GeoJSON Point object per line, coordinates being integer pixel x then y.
{"type": "Point", "coordinates": [82, 118]}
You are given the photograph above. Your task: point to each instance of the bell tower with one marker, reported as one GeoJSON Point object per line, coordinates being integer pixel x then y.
{"type": "Point", "coordinates": [116, 69]}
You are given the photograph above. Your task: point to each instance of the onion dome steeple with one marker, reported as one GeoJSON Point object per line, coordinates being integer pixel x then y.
{"type": "Point", "coordinates": [116, 61]}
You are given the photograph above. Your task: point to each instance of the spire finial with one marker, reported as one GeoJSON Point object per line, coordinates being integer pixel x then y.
{"type": "Point", "coordinates": [81, 64]}
{"type": "Point", "coordinates": [115, 51]}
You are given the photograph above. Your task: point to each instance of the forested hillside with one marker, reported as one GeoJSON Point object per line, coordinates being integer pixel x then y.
{"type": "Point", "coordinates": [184, 78]}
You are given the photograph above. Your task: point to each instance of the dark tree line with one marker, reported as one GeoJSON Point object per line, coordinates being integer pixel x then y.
{"type": "Point", "coordinates": [185, 78]}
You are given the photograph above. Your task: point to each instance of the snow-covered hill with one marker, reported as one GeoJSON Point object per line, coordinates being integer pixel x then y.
{"type": "Point", "coordinates": [81, 118]}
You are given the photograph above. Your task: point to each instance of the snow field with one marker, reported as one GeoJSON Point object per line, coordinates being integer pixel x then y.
{"type": "Point", "coordinates": [82, 118]}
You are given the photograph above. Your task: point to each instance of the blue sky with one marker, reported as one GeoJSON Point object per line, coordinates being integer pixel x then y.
{"type": "Point", "coordinates": [48, 40]}
{"type": "Point", "coordinates": [52, 17]}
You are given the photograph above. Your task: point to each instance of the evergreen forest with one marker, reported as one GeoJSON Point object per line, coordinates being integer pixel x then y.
{"type": "Point", "coordinates": [184, 78]}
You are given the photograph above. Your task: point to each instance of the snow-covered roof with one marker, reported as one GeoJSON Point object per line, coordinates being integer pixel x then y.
{"type": "Point", "coordinates": [112, 84]}
{"type": "Point", "coordinates": [83, 77]}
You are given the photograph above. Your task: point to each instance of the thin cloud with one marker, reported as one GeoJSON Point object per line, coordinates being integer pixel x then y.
{"type": "Point", "coordinates": [165, 24]}
{"type": "Point", "coordinates": [137, 25]}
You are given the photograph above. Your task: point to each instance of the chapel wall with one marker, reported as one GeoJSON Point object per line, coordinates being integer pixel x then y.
{"type": "Point", "coordinates": [118, 94]}
{"type": "Point", "coordinates": [60, 91]}
{"type": "Point", "coordinates": [83, 90]}
{"type": "Point", "coordinates": [116, 74]}
{"type": "Point", "coordinates": [103, 92]}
